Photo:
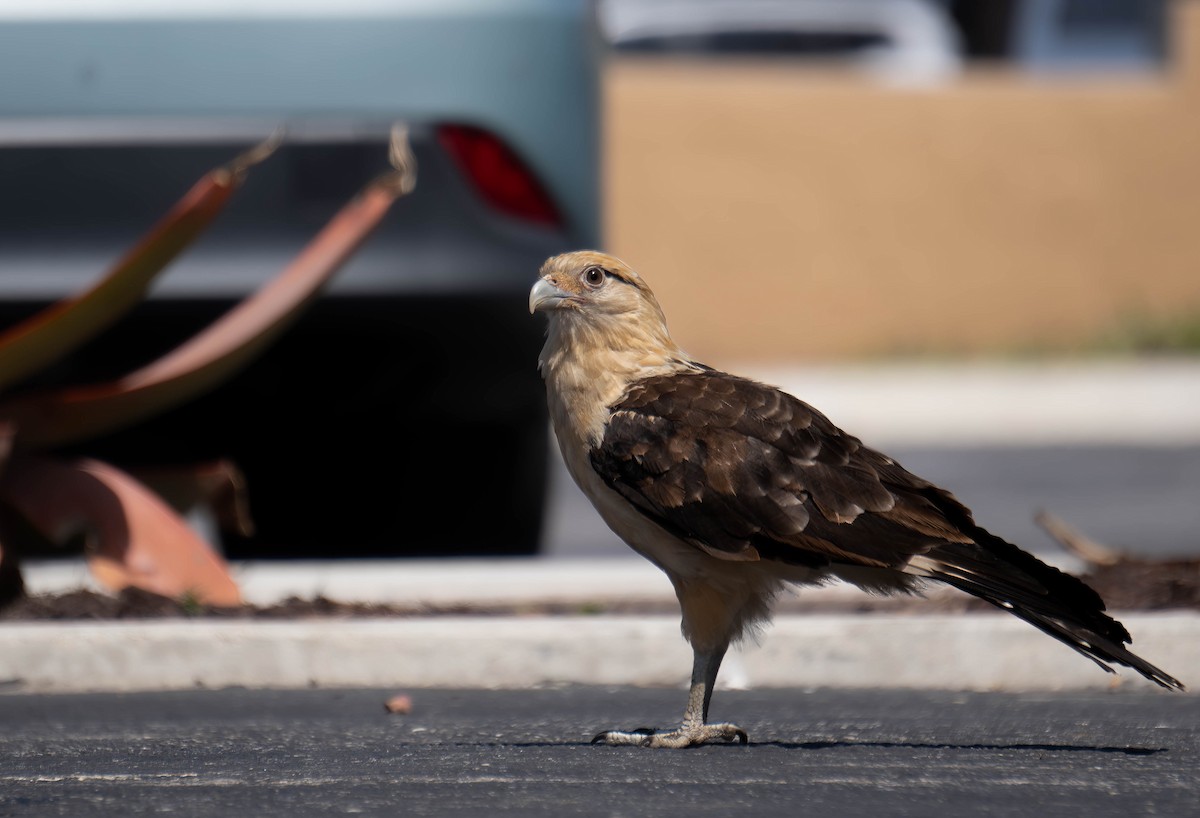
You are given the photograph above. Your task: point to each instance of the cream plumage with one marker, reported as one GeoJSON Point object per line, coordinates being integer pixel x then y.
{"type": "Point", "coordinates": [735, 489]}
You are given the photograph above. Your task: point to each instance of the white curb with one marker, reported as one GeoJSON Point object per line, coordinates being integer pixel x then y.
{"type": "Point", "coordinates": [968, 652]}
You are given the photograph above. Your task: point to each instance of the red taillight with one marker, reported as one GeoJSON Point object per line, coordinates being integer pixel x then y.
{"type": "Point", "coordinates": [501, 178]}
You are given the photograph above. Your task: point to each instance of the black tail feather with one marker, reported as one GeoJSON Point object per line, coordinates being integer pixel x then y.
{"type": "Point", "coordinates": [1055, 602]}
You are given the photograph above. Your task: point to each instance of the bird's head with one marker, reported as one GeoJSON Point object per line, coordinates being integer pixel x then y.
{"type": "Point", "coordinates": [597, 291]}
{"type": "Point", "coordinates": [605, 331]}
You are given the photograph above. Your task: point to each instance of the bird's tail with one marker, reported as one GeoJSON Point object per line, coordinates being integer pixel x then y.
{"type": "Point", "coordinates": [1054, 602]}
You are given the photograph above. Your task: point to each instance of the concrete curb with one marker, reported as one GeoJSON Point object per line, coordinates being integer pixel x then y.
{"type": "Point", "coordinates": [830, 644]}
{"type": "Point", "coordinates": [967, 652]}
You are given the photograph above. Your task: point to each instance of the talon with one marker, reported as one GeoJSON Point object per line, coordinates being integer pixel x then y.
{"type": "Point", "coordinates": [637, 737]}
{"type": "Point", "coordinates": [693, 736]}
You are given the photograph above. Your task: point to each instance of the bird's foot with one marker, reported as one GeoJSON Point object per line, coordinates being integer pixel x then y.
{"type": "Point", "coordinates": [686, 736]}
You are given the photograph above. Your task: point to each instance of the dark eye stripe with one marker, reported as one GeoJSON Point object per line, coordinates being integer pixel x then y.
{"type": "Point", "coordinates": [609, 274]}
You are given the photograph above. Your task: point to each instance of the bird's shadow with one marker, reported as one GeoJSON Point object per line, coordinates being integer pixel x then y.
{"type": "Point", "coordinates": [976, 747]}
{"type": "Point", "coordinates": [890, 745]}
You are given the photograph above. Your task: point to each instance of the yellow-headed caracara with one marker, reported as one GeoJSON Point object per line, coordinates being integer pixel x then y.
{"type": "Point", "coordinates": [735, 489]}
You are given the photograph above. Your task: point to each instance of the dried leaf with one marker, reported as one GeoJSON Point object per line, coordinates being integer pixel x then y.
{"type": "Point", "coordinates": [400, 704]}
{"type": "Point", "coordinates": [218, 486]}
{"type": "Point", "coordinates": [1076, 543]}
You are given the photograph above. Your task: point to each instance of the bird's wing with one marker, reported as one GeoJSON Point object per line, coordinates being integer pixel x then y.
{"type": "Point", "coordinates": [746, 471]}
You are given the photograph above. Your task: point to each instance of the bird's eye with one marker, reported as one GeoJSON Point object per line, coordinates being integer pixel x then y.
{"type": "Point", "coordinates": [593, 276]}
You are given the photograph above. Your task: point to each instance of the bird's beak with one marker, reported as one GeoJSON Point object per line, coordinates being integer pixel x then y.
{"type": "Point", "coordinates": [545, 296]}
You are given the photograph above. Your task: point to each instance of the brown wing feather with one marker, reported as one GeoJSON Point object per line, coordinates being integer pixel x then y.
{"type": "Point", "coordinates": [737, 465]}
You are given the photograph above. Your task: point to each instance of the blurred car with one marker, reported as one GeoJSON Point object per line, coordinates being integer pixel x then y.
{"type": "Point", "coordinates": [1063, 35]}
{"type": "Point", "coordinates": [907, 41]}
{"type": "Point", "coordinates": [901, 41]}
{"type": "Point", "coordinates": [403, 414]}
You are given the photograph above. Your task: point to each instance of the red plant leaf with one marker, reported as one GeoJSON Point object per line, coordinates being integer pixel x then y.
{"type": "Point", "coordinates": [63, 326]}
{"type": "Point", "coordinates": [216, 353]}
{"type": "Point", "coordinates": [133, 537]}
{"type": "Point", "coordinates": [12, 584]}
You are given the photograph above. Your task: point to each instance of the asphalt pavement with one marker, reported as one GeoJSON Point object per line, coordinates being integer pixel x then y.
{"type": "Point", "coordinates": [475, 752]}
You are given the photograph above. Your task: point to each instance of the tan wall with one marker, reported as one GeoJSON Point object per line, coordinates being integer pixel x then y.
{"type": "Point", "coordinates": [785, 213]}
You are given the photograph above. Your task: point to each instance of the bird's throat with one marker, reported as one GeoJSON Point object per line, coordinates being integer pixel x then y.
{"type": "Point", "coordinates": [588, 368]}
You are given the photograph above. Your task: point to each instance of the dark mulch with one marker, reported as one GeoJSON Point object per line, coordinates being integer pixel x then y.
{"type": "Point", "coordinates": [1129, 585]}
{"type": "Point", "coordinates": [1137, 585]}
{"type": "Point", "coordinates": [133, 603]}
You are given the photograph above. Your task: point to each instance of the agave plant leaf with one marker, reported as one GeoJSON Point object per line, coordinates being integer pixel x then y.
{"type": "Point", "coordinates": [7, 433]}
{"type": "Point", "coordinates": [63, 326]}
{"type": "Point", "coordinates": [12, 584]}
{"type": "Point", "coordinates": [133, 538]}
{"type": "Point", "coordinates": [69, 415]}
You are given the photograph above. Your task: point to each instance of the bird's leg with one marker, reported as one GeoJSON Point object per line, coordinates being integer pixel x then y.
{"type": "Point", "coordinates": [695, 729]}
